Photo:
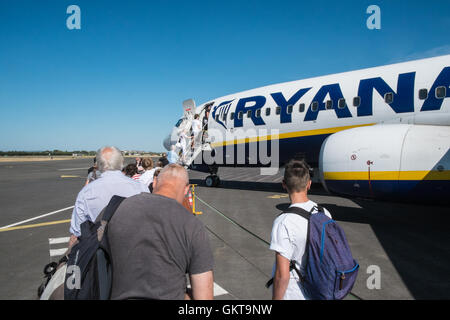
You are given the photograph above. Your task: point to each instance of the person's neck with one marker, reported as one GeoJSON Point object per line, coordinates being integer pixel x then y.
{"type": "Point", "coordinates": [166, 192]}
{"type": "Point", "coordinates": [298, 197]}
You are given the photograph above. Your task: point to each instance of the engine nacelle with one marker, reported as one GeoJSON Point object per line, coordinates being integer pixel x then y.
{"type": "Point", "coordinates": [394, 161]}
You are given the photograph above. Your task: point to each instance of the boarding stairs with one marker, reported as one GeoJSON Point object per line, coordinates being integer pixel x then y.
{"type": "Point", "coordinates": [190, 155]}
{"type": "Point", "coordinates": [193, 146]}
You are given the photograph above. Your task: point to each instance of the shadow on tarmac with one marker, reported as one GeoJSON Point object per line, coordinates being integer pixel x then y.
{"type": "Point", "coordinates": [414, 236]}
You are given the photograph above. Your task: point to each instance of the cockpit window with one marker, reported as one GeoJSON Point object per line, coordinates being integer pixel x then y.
{"type": "Point", "coordinates": [178, 123]}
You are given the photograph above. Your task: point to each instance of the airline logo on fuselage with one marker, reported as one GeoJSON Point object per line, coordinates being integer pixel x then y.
{"type": "Point", "coordinates": [403, 100]}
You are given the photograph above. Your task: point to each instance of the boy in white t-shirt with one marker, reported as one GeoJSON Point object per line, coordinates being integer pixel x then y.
{"type": "Point", "coordinates": [289, 232]}
{"type": "Point", "coordinates": [196, 130]}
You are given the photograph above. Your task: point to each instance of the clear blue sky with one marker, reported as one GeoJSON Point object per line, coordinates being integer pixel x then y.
{"type": "Point", "coordinates": [120, 80]}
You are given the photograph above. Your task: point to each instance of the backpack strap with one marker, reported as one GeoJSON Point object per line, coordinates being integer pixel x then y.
{"type": "Point", "coordinates": [111, 208]}
{"type": "Point", "coordinates": [292, 266]}
{"type": "Point", "coordinates": [103, 256]}
{"type": "Point", "coordinates": [106, 215]}
{"type": "Point", "coordinates": [301, 212]}
{"type": "Point", "coordinates": [319, 208]}
{"type": "Point", "coordinates": [305, 214]}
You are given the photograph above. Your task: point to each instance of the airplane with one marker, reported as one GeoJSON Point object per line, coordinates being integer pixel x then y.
{"type": "Point", "coordinates": [381, 132]}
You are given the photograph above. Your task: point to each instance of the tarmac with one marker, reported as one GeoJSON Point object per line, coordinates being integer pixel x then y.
{"type": "Point", "coordinates": [403, 249]}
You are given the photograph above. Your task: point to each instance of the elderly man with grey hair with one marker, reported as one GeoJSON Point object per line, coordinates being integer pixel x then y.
{"type": "Point", "coordinates": [155, 242]}
{"type": "Point", "coordinates": [96, 195]}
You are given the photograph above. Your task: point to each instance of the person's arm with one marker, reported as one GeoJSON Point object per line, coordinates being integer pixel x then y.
{"type": "Point", "coordinates": [202, 285]}
{"type": "Point", "coordinates": [72, 240]}
{"type": "Point", "coordinates": [281, 278]}
{"type": "Point", "coordinates": [78, 215]}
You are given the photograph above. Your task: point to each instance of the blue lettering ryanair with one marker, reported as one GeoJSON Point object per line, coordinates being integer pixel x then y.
{"type": "Point", "coordinates": [403, 100]}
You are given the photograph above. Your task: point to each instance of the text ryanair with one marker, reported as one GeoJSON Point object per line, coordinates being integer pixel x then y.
{"type": "Point", "coordinates": [403, 100]}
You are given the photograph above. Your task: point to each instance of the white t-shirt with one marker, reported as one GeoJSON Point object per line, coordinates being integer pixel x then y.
{"type": "Point", "coordinates": [147, 177]}
{"type": "Point", "coordinates": [196, 126]}
{"type": "Point", "coordinates": [289, 240]}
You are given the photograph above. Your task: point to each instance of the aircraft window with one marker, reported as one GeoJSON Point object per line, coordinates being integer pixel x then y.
{"type": "Point", "coordinates": [314, 106]}
{"type": "Point", "coordinates": [258, 113]}
{"type": "Point", "coordinates": [278, 110]}
{"type": "Point", "coordinates": [440, 92]}
{"type": "Point", "coordinates": [249, 113]}
{"type": "Point", "coordinates": [341, 103]}
{"type": "Point", "coordinates": [301, 108]}
{"type": "Point", "coordinates": [329, 104]}
{"type": "Point", "coordinates": [240, 115]}
{"type": "Point", "coordinates": [232, 116]}
{"type": "Point", "coordinates": [423, 94]}
{"type": "Point", "coordinates": [289, 108]}
{"type": "Point", "coordinates": [268, 112]}
{"type": "Point", "coordinates": [389, 97]}
{"type": "Point", "coordinates": [356, 101]}
{"type": "Point", "coordinates": [178, 123]}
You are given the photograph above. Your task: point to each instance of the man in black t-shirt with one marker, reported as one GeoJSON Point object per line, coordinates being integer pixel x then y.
{"type": "Point", "coordinates": [155, 242]}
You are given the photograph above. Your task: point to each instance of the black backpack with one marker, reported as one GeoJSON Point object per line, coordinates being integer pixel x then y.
{"type": "Point", "coordinates": [89, 267]}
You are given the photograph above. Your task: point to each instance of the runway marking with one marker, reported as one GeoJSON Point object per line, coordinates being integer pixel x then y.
{"type": "Point", "coordinates": [57, 252]}
{"type": "Point", "coordinates": [218, 290]}
{"type": "Point", "coordinates": [71, 177]}
{"type": "Point", "coordinates": [58, 240]}
{"type": "Point", "coordinates": [35, 218]}
{"type": "Point", "coordinates": [72, 169]}
{"type": "Point", "coordinates": [61, 251]}
{"type": "Point", "coordinates": [35, 225]}
{"type": "Point", "coordinates": [278, 196]}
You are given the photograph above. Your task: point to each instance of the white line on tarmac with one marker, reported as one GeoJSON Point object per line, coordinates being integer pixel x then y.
{"type": "Point", "coordinates": [218, 290]}
{"type": "Point", "coordinates": [38, 217]}
{"type": "Point", "coordinates": [57, 252]}
{"type": "Point", "coordinates": [58, 240]}
{"type": "Point", "coordinates": [70, 169]}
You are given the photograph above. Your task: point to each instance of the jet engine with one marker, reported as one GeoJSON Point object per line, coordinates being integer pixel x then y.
{"type": "Point", "coordinates": [392, 161]}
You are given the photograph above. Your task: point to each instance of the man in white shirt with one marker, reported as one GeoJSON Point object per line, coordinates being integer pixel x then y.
{"type": "Point", "coordinates": [196, 130]}
{"type": "Point", "coordinates": [289, 232]}
{"type": "Point", "coordinates": [96, 195]}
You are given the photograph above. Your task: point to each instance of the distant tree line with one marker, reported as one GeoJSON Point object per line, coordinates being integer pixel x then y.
{"type": "Point", "coordinates": [46, 153]}
{"type": "Point", "coordinates": [64, 153]}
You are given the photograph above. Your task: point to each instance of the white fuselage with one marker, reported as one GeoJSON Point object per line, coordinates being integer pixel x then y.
{"type": "Point", "coordinates": [295, 119]}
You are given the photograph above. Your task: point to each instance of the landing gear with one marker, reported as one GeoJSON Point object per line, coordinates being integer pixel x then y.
{"type": "Point", "coordinates": [212, 181]}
